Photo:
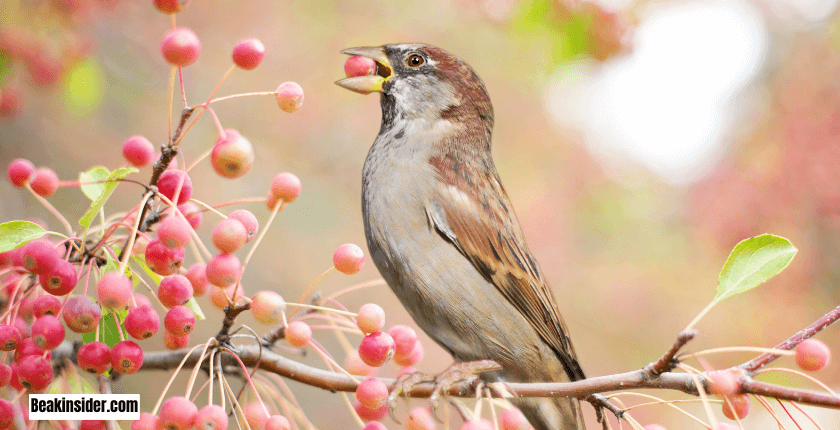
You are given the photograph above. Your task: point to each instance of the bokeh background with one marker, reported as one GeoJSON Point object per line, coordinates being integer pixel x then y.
{"type": "Point", "coordinates": [638, 140]}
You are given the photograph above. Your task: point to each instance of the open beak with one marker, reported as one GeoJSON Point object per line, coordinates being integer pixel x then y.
{"type": "Point", "coordinates": [370, 83]}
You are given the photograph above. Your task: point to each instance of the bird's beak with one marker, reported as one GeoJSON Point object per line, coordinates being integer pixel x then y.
{"type": "Point", "coordinates": [371, 83]}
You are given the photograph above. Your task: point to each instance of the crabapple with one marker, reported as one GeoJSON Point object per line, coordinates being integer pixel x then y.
{"type": "Point", "coordinates": [268, 307]}
{"type": "Point", "coordinates": [513, 419]}
{"type": "Point", "coordinates": [174, 290]}
{"type": "Point", "coordinates": [371, 318]}
{"type": "Point", "coordinates": [248, 54]}
{"type": "Point", "coordinates": [229, 235]}
{"type": "Point", "coordinates": [180, 47]}
{"type": "Point", "coordinates": [477, 424]}
{"type": "Point", "coordinates": [223, 270]}
{"type": "Point", "coordinates": [376, 349]}
{"type": "Point", "coordinates": [255, 415]}
{"type": "Point", "coordinates": [94, 357]}
{"type": "Point", "coordinates": [178, 413]}
{"type": "Point", "coordinates": [148, 421]}
{"type": "Point", "coordinates": [126, 357]}
{"type": "Point", "coordinates": [286, 186]}
{"type": "Point", "coordinates": [211, 417]}
{"type": "Point", "coordinates": [27, 347]}
{"type": "Point", "coordinates": [39, 256]}
{"type": "Point", "coordinates": [138, 151]}
{"type": "Point", "coordinates": [168, 185]}
{"type": "Point", "coordinates": [658, 427]}
{"type": "Point", "coordinates": [368, 414]}
{"type": "Point", "coordinates": [289, 96]}
{"type": "Point", "coordinates": [740, 406]}
{"type": "Point", "coordinates": [420, 419]}
{"type": "Point", "coordinates": [12, 101]}
{"type": "Point", "coordinates": [19, 171]}
{"type": "Point", "coordinates": [724, 382]}
{"type": "Point", "coordinates": [298, 333]}
{"type": "Point", "coordinates": [46, 305]}
{"type": "Point", "coordinates": [359, 66]}
{"type": "Point", "coordinates": [5, 374]}
{"type": "Point", "coordinates": [114, 291]}
{"type": "Point", "coordinates": [412, 358]}
{"type": "Point", "coordinates": [60, 280]}
{"type": "Point", "coordinates": [197, 275]}
{"type": "Point", "coordinates": [81, 314]}
{"type": "Point", "coordinates": [21, 326]}
{"type": "Point", "coordinates": [277, 422]}
{"type": "Point", "coordinates": [232, 155]}
{"type": "Point", "coordinates": [142, 322]}
{"type": "Point", "coordinates": [374, 425]}
{"type": "Point", "coordinates": [44, 182]}
{"type": "Point", "coordinates": [812, 354]}
{"type": "Point", "coordinates": [372, 393]}
{"type": "Point", "coordinates": [7, 414]}
{"type": "Point", "coordinates": [355, 366]}
{"type": "Point", "coordinates": [10, 337]}
{"type": "Point", "coordinates": [92, 425]}
{"type": "Point", "coordinates": [179, 321]}
{"type": "Point", "coordinates": [192, 213]}
{"type": "Point", "coordinates": [162, 259]}
{"type": "Point", "coordinates": [175, 342]}
{"type": "Point", "coordinates": [35, 373]}
{"type": "Point", "coordinates": [47, 332]}
{"type": "Point", "coordinates": [404, 339]}
{"type": "Point", "coordinates": [170, 6]}
{"type": "Point", "coordinates": [248, 220]}
{"type": "Point", "coordinates": [220, 297]}
{"type": "Point", "coordinates": [348, 259]}
{"type": "Point", "coordinates": [174, 231]}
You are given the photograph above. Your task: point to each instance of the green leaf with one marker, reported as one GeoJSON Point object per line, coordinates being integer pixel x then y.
{"type": "Point", "coordinates": [752, 262]}
{"type": "Point", "coordinates": [108, 189]}
{"type": "Point", "coordinates": [98, 173]}
{"type": "Point", "coordinates": [108, 331]}
{"type": "Point", "coordinates": [14, 234]}
{"type": "Point", "coordinates": [193, 306]}
{"type": "Point", "coordinates": [155, 277]}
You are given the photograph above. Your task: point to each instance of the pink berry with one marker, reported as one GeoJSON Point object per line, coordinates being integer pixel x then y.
{"type": "Point", "coordinates": [27, 307]}
{"type": "Point", "coordinates": [14, 381]}
{"type": "Point", "coordinates": [371, 318]}
{"type": "Point", "coordinates": [404, 339]}
{"type": "Point", "coordinates": [211, 417]}
{"type": "Point", "coordinates": [726, 426]}
{"type": "Point", "coordinates": [255, 415]}
{"type": "Point", "coordinates": [47, 332]}
{"type": "Point", "coordinates": [168, 185]}
{"type": "Point", "coordinates": [44, 182]}
{"type": "Point", "coordinates": [140, 300]}
{"type": "Point", "coordinates": [197, 275]}
{"type": "Point", "coordinates": [289, 96]}
{"type": "Point", "coordinates": [180, 47]}
{"type": "Point", "coordinates": [371, 393]}
{"type": "Point", "coordinates": [170, 7]}
{"type": "Point", "coordinates": [812, 355]}
{"type": "Point", "coordinates": [647, 427]}
{"type": "Point", "coordinates": [60, 280]}
{"type": "Point", "coordinates": [175, 342]}
{"type": "Point", "coordinates": [179, 321]}
{"type": "Point", "coordinates": [368, 414]}
{"type": "Point", "coordinates": [271, 200]}
{"type": "Point", "coordinates": [7, 414]}
{"type": "Point", "coordinates": [140, 244]}
{"type": "Point", "coordinates": [420, 419]}
{"type": "Point", "coordinates": [138, 151]}
{"type": "Point", "coordinates": [19, 171]}
{"type": "Point", "coordinates": [81, 314]}
{"type": "Point", "coordinates": [349, 259]}
{"type": "Point", "coordinates": [223, 270]}
{"type": "Point", "coordinates": [174, 231]}
{"type": "Point", "coordinates": [9, 337]}
{"type": "Point", "coordinates": [147, 421]}
{"type": "Point", "coordinates": [12, 102]}
{"type": "Point", "coordinates": [740, 406]}
{"type": "Point", "coordinates": [114, 291]}
{"type": "Point", "coordinates": [512, 419]}
{"type": "Point", "coordinates": [46, 305]}
{"type": "Point", "coordinates": [248, 220]}
{"type": "Point", "coordinates": [268, 307]}
{"type": "Point", "coordinates": [221, 296]}
{"type": "Point", "coordinates": [374, 425]}
{"type": "Point", "coordinates": [286, 186]}
{"type": "Point", "coordinates": [277, 422]}
{"type": "Point", "coordinates": [376, 349]}
{"type": "Point", "coordinates": [5, 374]}
{"type": "Point", "coordinates": [354, 364]}
{"type": "Point", "coordinates": [229, 235]}
{"type": "Point", "coordinates": [477, 424]}
{"type": "Point", "coordinates": [92, 425]}
{"type": "Point", "coordinates": [21, 326]}
{"type": "Point", "coordinates": [39, 256]}
{"type": "Point", "coordinates": [35, 373]}
{"type": "Point", "coordinates": [412, 358]}
{"type": "Point", "coordinates": [162, 259]}
{"type": "Point", "coordinates": [142, 322]}
{"type": "Point", "coordinates": [298, 333]}
{"type": "Point", "coordinates": [26, 348]}
{"type": "Point", "coordinates": [192, 213]}
{"type": "Point", "coordinates": [178, 413]}
{"type": "Point", "coordinates": [174, 290]}
{"type": "Point", "coordinates": [95, 357]}
{"type": "Point", "coordinates": [126, 357]}
{"type": "Point", "coordinates": [232, 155]}
{"type": "Point", "coordinates": [359, 66]}
{"type": "Point", "coordinates": [248, 54]}
{"type": "Point", "coordinates": [725, 382]}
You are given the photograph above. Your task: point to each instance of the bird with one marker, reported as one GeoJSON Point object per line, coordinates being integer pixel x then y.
{"type": "Point", "coordinates": [442, 232]}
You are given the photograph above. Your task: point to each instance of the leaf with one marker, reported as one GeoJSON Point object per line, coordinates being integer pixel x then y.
{"type": "Point", "coordinates": [98, 173]}
{"type": "Point", "coordinates": [752, 262]}
{"type": "Point", "coordinates": [108, 331]}
{"type": "Point", "coordinates": [155, 277]}
{"type": "Point", "coordinates": [108, 189]}
{"type": "Point", "coordinates": [14, 234]}
{"type": "Point", "coordinates": [195, 308]}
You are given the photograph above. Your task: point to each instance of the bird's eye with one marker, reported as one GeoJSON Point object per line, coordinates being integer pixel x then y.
{"type": "Point", "coordinates": [414, 60]}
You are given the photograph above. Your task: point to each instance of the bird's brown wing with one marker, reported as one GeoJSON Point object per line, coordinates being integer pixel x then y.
{"type": "Point", "coordinates": [476, 216]}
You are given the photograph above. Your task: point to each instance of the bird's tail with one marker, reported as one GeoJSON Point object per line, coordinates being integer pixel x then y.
{"type": "Point", "coordinates": [552, 413]}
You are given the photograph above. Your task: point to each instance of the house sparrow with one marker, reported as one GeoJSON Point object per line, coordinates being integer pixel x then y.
{"type": "Point", "coordinates": [442, 232]}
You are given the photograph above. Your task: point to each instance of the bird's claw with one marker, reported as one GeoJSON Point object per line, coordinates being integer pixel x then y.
{"type": "Point", "coordinates": [403, 385]}
{"type": "Point", "coordinates": [467, 370]}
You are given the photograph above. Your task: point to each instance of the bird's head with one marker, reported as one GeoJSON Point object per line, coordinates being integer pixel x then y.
{"type": "Point", "coordinates": [423, 82]}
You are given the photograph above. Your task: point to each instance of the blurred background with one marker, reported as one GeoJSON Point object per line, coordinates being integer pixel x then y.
{"type": "Point", "coordinates": [638, 140]}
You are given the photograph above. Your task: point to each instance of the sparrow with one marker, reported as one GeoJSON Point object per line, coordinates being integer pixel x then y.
{"type": "Point", "coordinates": [442, 231]}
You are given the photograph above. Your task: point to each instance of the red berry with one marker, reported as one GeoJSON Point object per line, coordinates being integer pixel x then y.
{"type": "Point", "coordinates": [26, 348]}
{"type": "Point", "coordinates": [368, 414]}
{"type": "Point", "coordinates": [197, 275]}
{"type": "Point", "coordinates": [512, 419]}
{"type": "Point", "coordinates": [271, 200]}
{"type": "Point", "coordinates": [211, 417]}
{"type": "Point", "coordinates": [142, 322]}
{"type": "Point", "coordinates": [412, 358]}
{"type": "Point", "coordinates": [248, 54]}
{"type": "Point", "coordinates": [812, 355]}
{"type": "Point", "coordinates": [179, 321]}
{"type": "Point", "coordinates": [46, 305]}
{"type": "Point", "coordinates": [725, 382]}
{"type": "Point", "coordinates": [229, 235]}
{"type": "Point", "coordinates": [148, 421]}
{"type": "Point", "coordinates": [404, 339]}
{"type": "Point", "coordinates": [371, 318]}
{"type": "Point", "coordinates": [740, 406]}
{"type": "Point", "coordinates": [174, 290]}
{"type": "Point", "coordinates": [420, 419]}
{"type": "Point", "coordinates": [255, 415]}
{"type": "Point", "coordinates": [175, 342]}
{"type": "Point", "coordinates": [162, 259]}
{"type": "Point", "coordinates": [126, 357]}
{"type": "Point", "coordinates": [180, 47]}
{"type": "Point", "coordinates": [223, 270]}
{"type": "Point", "coordinates": [5, 374]}
{"type": "Point", "coordinates": [248, 220]}
{"type": "Point", "coordinates": [44, 182]}
{"type": "Point", "coordinates": [170, 6]}
{"type": "Point", "coordinates": [178, 413]}
{"type": "Point", "coordinates": [371, 393]}
{"type": "Point", "coordinates": [289, 96]}
{"type": "Point", "coordinates": [277, 422]}
{"type": "Point", "coordinates": [192, 213]}
{"type": "Point", "coordinates": [47, 332]}
{"type": "Point", "coordinates": [268, 307]}
{"type": "Point", "coordinates": [94, 357]}
{"type": "Point", "coordinates": [19, 171]}
{"type": "Point", "coordinates": [286, 186]}
{"type": "Point", "coordinates": [232, 155]}
{"type": "Point", "coordinates": [220, 296]}
{"type": "Point", "coordinates": [349, 259]}
{"type": "Point", "coordinates": [168, 185]}
{"type": "Point", "coordinates": [14, 381]}
{"type": "Point", "coordinates": [359, 66]}
{"type": "Point", "coordinates": [9, 337]}
{"type": "Point", "coordinates": [92, 425]}
{"type": "Point", "coordinates": [39, 256]}
{"type": "Point", "coordinates": [354, 364]}
{"type": "Point", "coordinates": [114, 291]}
{"type": "Point", "coordinates": [138, 151]}
{"type": "Point", "coordinates": [477, 424]}
{"type": "Point", "coordinates": [298, 333]}
{"type": "Point", "coordinates": [7, 414]}
{"type": "Point", "coordinates": [21, 326]}
{"type": "Point", "coordinates": [60, 280]}
{"type": "Point", "coordinates": [376, 349]}
{"type": "Point", "coordinates": [174, 231]}
{"type": "Point", "coordinates": [374, 425]}
{"type": "Point", "coordinates": [140, 300]}
{"type": "Point", "coordinates": [81, 314]}
{"type": "Point", "coordinates": [35, 373]}
{"type": "Point", "coordinates": [12, 102]}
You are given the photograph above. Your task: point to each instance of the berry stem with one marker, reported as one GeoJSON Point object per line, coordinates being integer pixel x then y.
{"type": "Point", "coordinates": [700, 390]}
{"type": "Point", "coordinates": [52, 209]}
{"type": "Point", "coordinates": [234, 96]}
{"type": "Point", "coordinates": [736, 349]}
{"type": "Point", "coordinates": [172, 378]}
{"type": "Point", "coordinates": [209, 208]}
{"type": "Point", "coordinates": [352, 288]}
{"type": "Point", "coordinates": [133, 235]}
{"type": "Point", "coordinates": [181, 81]}
{"type": "Point", "coordinates": [798, 373]}
{"type": "Point", "coordinates": [277, 208]}
{"type": "Point", "coordinates": [119, 327]}
{"type": "Point", "coordinates": [194, 373]}
{"type": "Point", "coordinates": [171, 96]}
{"type": "Point", "coordinates": [321, 308]}
{"type": "Point", "coordinates": [248, 378]}
{"type": "Point", "coordinates": [235, 402]}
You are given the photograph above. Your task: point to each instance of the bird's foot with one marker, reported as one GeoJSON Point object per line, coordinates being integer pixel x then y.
{"type": "Point", "coordinates": [403, 385]}
{"type": "Point", "coordinates": [467, 370]}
